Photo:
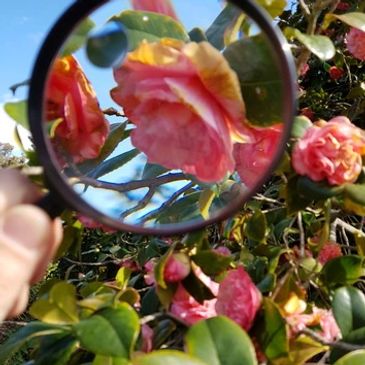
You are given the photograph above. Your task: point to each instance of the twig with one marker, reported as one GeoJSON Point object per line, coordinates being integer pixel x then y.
{"type": "Point", "coordinates": [15, 323]}
{"type": "Point", "coordinates": [301, 235]}
{"type": "Point", "coordinates": [141, 204]}
{"type": "Point", "coordinates": [14, 87]}
{"type": "Point", "coordinates": [113, 112]}
{"type": "Point", "coordinates": [80, 263]}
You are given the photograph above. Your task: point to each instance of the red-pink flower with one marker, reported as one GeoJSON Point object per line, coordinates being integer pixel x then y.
{"type": "Point", "coordinates": [149, 277]}
{"type": "Point", "coordinates": [92, 224]}
{"type": "Point", "coordinates": [186, 105]}
{"type": "Point", "coordinates": [355, 40]}
{"type": "Point", "coordinates": [157, 6]}
{"type": "Point", "coordinates": [255, 157]}
{"type": "Point", "coordinates": [177, 268]}
{"type": "Point", "coordinates": [336, 72]}
{"type": "Point", "coordinates": [71, 102]}
{"type": "Point", "coordinates": [329, 251]}
{"type": "Point", "coordinates": [238, 298]}
{"type": "Point", "coordinates": [185, 307]}
{"type": "Point", "coordinates": [342, 6]}
{"type": "Point", "coordinates": [331, 151]}
{"type": "Point", "coordinates": [307, 112]}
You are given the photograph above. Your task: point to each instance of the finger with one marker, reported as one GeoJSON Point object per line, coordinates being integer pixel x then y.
{"type": "Point", "coordinates": [21, 303]}
{"type": "Point", "coordinates": [25, 235]}
{"type": "Point", "coordinates": [57, 233]}
{"type": "Point", "coordinates": [15, 188]}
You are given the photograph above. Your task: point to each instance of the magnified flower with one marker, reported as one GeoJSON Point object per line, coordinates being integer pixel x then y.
{"type": "Point", "coordinates": [156, 6]}
{"type": "Point", "coordinates": [238, 298]}
{"type": "Point", "coordinates": [186, 105]}
{"type": "Point", "coordinates": [330, 151]}
{"type": "Point", "coordinates": [253, 158]}
{"type": "Point", "coordinates": [80, 126]}
{"type": "Point", "coordinates": [355, 40]}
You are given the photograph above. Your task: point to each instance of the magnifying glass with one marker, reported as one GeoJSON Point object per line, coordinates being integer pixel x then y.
{"type": "Point", "coordinates": [160, 117]}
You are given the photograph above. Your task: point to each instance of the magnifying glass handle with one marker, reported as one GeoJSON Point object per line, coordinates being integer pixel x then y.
{"type": "Point", "coordinates": [51, 204]}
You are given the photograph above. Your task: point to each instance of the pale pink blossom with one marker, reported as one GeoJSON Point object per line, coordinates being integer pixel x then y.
{"type": "Point", "coordinates": [355, 41]}
{"type": "Point", "coordinates": [185, 307]}
{"type": "Point", "coordinates": [149, 276]}
{"type": "Point", "coordinates": [157, 6]}
{"type": "Point", "coordinates": [329, 251]}
{"type": "Point", "coordinates": [238, 298]}
{"type": "Point", "coordinates": [186, 105]}
{"type": "Point", "coordinates": [330, 151]}
{"type": "Point", "coordinates": [225, 251]}
{"type": "Point", "coordinates": [254, 158]}
{"type": "Point", "coordinates": [177, 268]}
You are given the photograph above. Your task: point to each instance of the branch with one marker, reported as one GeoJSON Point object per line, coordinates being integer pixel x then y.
{"type": "Point", "coordinates": [80, 263]}
{"type": "Point", "coordinates": [113, 112]}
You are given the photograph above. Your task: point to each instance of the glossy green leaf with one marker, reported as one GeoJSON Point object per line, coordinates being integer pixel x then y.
{"type": "Point", "coordinates": [211, 262]}
{"type": "Point", "coordinates": [319, 45]}
{"type": "Point", "coordinates": [353, 358]}
{"type": "Point", "coordinates": [56, 350]}
{"type": "Point", "coordinates": [273, 335]}
{"type": "Point", "coordinates": [360, 243]}
{"type": "Point", "coordinates": [78, 37]}
{"type": "Point", "coordinates": [107, 47]}
{"type": "Point", "coordinates": [110, 332]}
{"type": "Point", "coordinates": [295, 202]}
{"type": "Point", "coordinates": [108, 360]}
{"type": "Point", "coordinates": [195, 287]}
{"type": "Point", "coordinates": [300, 126]}
{"type": "Point", "coordinates": [355, 192]}
{"type": "Point", "coordinates": [17, 110]}
{"type": "Point", "coordinates": [353, 19]}
{"type": "Point", "coordinates": [113, 163]}
{"type": "Point", "coordinates": [166, 357]}
{"type": "Point", "coordinates": [220, 341]}
{"type": "Point", "coordinates": [25, 334]}
{"type": "Point", "coordinates": [162, 331]}
{"type": "Point", "coordinates": [260, 81]}
{"type": "Point", "coordinates": [149, 26]}
{"type": "Point", "coordinates": [122, 277]}
{"type": "Point", "coordinates": [205, 202]}
{"type": "Point", "coordinates": [225, 21]}
{"type": "Point", "coordinates": [256, 227]}
{"type": "Point", "coordinates": [345, 270]}
{"type": "Point", "coordinates": [348, 306]}
{"type": "Point", "coordinates": [197, 35]}
{"type": "Point", "coordinates": [59, 307]}
{"type": "Point", "coordinates": [317, 190]}
{"type": "Point", "coordinates": [273, 7]}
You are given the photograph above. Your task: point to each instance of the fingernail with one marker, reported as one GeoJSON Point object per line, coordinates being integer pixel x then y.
{"type": "Point", "coordinates": [26, 225]}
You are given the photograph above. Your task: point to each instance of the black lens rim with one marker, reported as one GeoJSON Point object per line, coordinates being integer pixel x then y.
{"type": "Point", "coordinates": [49, 50]}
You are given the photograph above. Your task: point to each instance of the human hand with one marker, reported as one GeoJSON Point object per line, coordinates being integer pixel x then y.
{"type": "Point", "coordinates": [28, 241]}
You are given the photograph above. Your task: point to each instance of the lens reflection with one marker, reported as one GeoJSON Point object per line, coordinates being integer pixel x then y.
{"type": "Point", "coordinates": [167, 114]}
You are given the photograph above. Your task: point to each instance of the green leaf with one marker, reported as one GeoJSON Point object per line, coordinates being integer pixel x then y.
{"type": "Point", "coordinates": [273, 7]}
{"type": "Point", "coordinates": [113, 163]}
{"type": "Point", "coordinates": [166, 357]}
{"type": "Point", "coordinates": [56, 350]}
{"type": "Point", "coordinates": [225, 21]}
{"type": "Point", "coordinates": [348, 307]}
{"type": "Point", "coordinates": [353, 358]}
{"type": "Point", "coordinates": [211, 262]}
{"type": "Point", "coordinates": [260, 81]}
{"type": "Point", "coordinates": [205, 201]}
{"type": "Point", "coordinates": [355, 192]}
{"type": "Point", "coordinates": [273, 335]}
{"type": "Point", "coordinates": [122, 277]}
{"type": "Point", "coordinates": [220, 341]}
{"type": "Point", "coordinates": [295, 202]}
{"type": "Point", "coordinates": [319, 45]}
{"type": "Point", "coordinates": [345, 270]}
{"type": "Point", "coordinates": [153, 170]}
{"type": "Point", "coordinates": [197, 35]}
{"type": "Point", "coordinates": [196, 288]}
{"type": "Point", "coordinates": [25, 334]}
{"type": "Point", "coordinates": [360, 243]}
{"type": "Point", "coordinates": [108, 360]}
{"type": "Point", "coordinates": [78, 37]}
{"type": "Point", "coordinates": [354, 19]}
{"type": "Point", "coordinates": [149, 26]}
{"type": "Point", "coordinates": [300, 126]}
{"type": "Point", "coordinates": [59, 307]}
{"type": "Point", "coordinates": [108, 46]}
{"type": "Point", "coordinates": [317, 190]}
{"type": "Point", "coordinates": [17, 110]}
{"type": "Point", "coordinates": [110, 332]}
{"type": "Point", "coordinates": [256, 227]}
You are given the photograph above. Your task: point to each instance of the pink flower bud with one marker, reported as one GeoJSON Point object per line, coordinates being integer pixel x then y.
{"type": "Point", "coordinates": [355, 40]}
{"type": "Point", "coordinates": [329, 251]}
{"type": "Point", "coordinates": [336, 72]}
{"type": "Point", "coordinates": [177, 268]}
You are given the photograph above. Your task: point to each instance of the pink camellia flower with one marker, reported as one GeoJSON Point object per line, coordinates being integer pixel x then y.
{"type": "Point", "coordinates": [186, 104]}
{"type": "Point", "coordinates": [185, 307]}
{"type": "Point", "coordinates": [355, 40]}
{"type": "Point", "coordinates": [342, 6]}
{"type": "Point", "coordinates": [254, 158]}
{"type": "Point", "coordinates": [92, 224]}
{"type": "Point", "coordinates": [321, 318]}
{"type": "Point", "coordinates": [225, 251]}
{"type": "Point", "coordinates": [329, 251]}
{"type": "Point", "coordinates": [177, 268]}
{"type": "Point", "coordinates": [149, 277]}
{"type": "Point", "coordinates": [157, 6]}
{"type": "Point", "coordinates": [330, 151]}
{"type": "Point", "coordinates": [336, 72]}
{"type": "Point", "coordinates": [81, 127]}
{"type": "Point", "coordinates": [238, 298]}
